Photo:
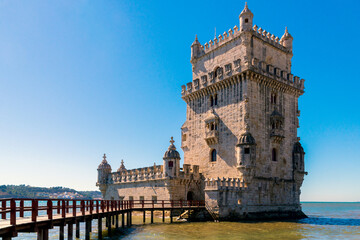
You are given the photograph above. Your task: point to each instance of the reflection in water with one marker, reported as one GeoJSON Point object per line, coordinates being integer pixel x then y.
{"type": "Point", "coordinates": [326, 221]}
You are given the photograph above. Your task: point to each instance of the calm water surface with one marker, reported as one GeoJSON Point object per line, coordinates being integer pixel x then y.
{"type": "Point", "coordinates": [326, 221]}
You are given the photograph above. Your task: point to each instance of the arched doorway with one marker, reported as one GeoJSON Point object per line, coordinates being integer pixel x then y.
{"type": "Point", "coordinates": [190, 196]}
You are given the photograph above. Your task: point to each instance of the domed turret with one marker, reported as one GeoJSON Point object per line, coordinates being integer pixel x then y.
{"type": "Point", "coordinates": [171, 153]}
{"type": "Point", "coordinates": [246, 19]}
{"type": "Point", "coordinates": [122, 166]}
{"type": "Point", "coordinates": [104, 169]}
{"type": "Point", "coordinates": [246, 139]}
{"type": "Point", "coordinates": [246, 155]}
{"type": "Point", "coordinates": [286, 40]}
{"type": "Point", "coordinates": [104, 165]}
{"type": "Point", "coordinates": [298, 157]}
{"type": "Point", "coordinates": [196, 49]}
{"type": "Point", "coordinates": [298, 148]}
{"type": "Point", "coordinates": [171, 161]}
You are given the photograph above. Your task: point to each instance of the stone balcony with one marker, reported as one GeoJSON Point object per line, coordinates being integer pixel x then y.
{"type": "Point", "coordinates": [277, 135]}
{"type": "Point", "coordinates": [212, 137]}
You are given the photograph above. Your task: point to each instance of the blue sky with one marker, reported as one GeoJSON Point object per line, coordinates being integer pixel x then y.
{"type": "Point", "coordinates": [83, 78]}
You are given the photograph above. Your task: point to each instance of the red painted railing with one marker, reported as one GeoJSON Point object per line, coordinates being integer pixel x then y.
{"type": "Point", "coordinates": [14, 208]}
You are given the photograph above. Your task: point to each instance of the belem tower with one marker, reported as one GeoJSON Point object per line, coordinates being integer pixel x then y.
{"type": "Point", "coordinates": [242, 154]}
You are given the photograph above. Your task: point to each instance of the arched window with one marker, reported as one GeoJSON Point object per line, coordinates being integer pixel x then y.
{"type": "Point", "coordinates": [215, 100]}
{"type": "Point", "coordinates": [213, 155]}
{"type": "Point", "coordinates": [211, 101]}
{"type": "Point", "coordinates": [274, 154]}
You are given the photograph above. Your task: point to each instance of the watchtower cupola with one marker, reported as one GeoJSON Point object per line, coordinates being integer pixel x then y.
{"type": "Point", "coordinates": [246, 19]}
{"type": "Point", "coordinates": [171, 161]}
{"type": "Point", "coordinates": [103, 170]}
{"type": "Point", "coordinates": [286, 40]}
{"type": "Point", "coordinates": [298, 157]}
{"type": "Point", "coordinates": [196, 49]}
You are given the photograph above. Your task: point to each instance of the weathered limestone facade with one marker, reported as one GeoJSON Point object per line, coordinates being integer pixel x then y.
{"type": "Point", "coordinates": [241, 150]}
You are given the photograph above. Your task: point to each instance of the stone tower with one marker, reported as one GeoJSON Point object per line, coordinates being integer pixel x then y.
{"type": "Point", "coordinates": [242, 119]}
{"type": "Point", "coordinates": [104, 169]}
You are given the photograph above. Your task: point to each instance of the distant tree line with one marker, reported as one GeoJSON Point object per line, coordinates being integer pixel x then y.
{"type": "Point", "coordinates": [26, 191]}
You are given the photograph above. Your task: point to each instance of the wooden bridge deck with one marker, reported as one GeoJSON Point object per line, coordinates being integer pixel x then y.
{"type": "Point", "coordinates": [40, 215]}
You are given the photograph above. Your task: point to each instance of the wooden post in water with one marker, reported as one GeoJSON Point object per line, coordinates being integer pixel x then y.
{"type": "Point", "coordinates": [100, 228]}
{"type": "Point", "coordinates": [43, 234]}
{"type": "Point", "coordinates": [61, 232]}
{"type": "Point", "coordinates": [108, 220]}
{"type": "Point", "coordinates": [144, 214]}
{"type": "Point", "coordinates": [70, 231]}
{"type": "Point", "coordinates": [87, 229]}
{"type": "Point", "coordinates": [171, 216]}
{"type": "Point", "coordinates": [117, 220]}
{"type": "Point", "coordinates": [77, 233]}
{"type": "Point", "coordinates": [152, 216]}
{"type": "Point", "coordinates": [163, 217]}
{"type": "Point", "coordinates": [122, 220]}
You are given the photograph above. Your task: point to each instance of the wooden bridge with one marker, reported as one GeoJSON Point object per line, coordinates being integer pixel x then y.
{"type": "Point", "coordinates": [40, 215]}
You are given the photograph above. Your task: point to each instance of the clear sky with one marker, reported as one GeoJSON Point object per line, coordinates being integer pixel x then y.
{"type": "Point", "coordinates": [82, 78]}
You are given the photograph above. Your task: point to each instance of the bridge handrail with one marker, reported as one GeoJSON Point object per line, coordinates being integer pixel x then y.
{"type": "Point", "coordinates": [15, 207]}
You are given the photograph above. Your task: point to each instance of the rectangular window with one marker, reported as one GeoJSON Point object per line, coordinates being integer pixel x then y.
{"type": "Point", "coordinates": [141, 198]}
{"type": "Point", "coordinates": [171, 164]}
{"type": "Point", "coordinates": [131, 198]}
{"type": "Point", "coordinates": [247, 150]}
{"type": "Point", "coordinates": [154, 198]}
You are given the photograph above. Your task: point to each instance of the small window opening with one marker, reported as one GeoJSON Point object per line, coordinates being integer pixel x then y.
{"type": "Point", "coordinates": [211, 101]}
{"type": "Point", "coordinates": [246, 20]}
{"type": "Point", "coordinates": [215, 100]}
{"type": "Point", "coordinates": [171, 164]}
{"type": "Point", "coordinates": [213, 155]}
{"type": "Point", "coordinates": [273, 98]}
{"type": "Point", "coordinates": [212, 127]}
{"type": "Point", "coordinates": [154, 198]}
{"type": "Point", "coordinates": [247, 150]}
{"type": "Point", "coordinates": [274, 154]}
{"type": "Point", "coordinates": [141, 198]}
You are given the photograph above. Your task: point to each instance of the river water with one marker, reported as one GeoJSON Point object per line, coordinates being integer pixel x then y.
{"type": "Point", "coordinates": [326, 221]}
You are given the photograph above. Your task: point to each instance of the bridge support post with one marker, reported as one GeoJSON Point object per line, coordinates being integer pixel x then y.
{"type": "Point", "coordinates": [144, 216]}
{"type": "Point", "coordinates": [117, 220]}
{"type": "Point", "coordinates": [122, 220]}
{"type": "Point", "coordinates": [77, 231]}
{"type": "Point", "coordinates": [130, 218]}
{"type": "Point", "coordinates": [108, 220]}
{"type": "Point", "coordinates": [100, 228]}
{"type": "Point", "coordinates": [6, 238]}
{"type": "Point", "coordinates": [163, 216]}
{"type": "Point", "coordinates": [171, 216]}
{"type": "Point", "coordinates": [87, 229]}
{"type": "Point", "coordinates": [61, 232]}
{"type": "Point", "coordinates": [152, 216]}
{"type": "Point", "coordinates": [43, 234]}
{"type": "Point", "coordinates": [70, 231]}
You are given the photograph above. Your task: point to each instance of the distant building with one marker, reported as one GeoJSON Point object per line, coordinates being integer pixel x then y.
{"type": "Point", "coordinates": [241, 150]}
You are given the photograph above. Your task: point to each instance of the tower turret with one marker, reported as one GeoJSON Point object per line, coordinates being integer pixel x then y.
{"type": "Point", "coordinates": [171, 161]}
{"type": "Point", "coordinates": [104, 169]}
{"type": "Point", "coordinates": [246, 155]}
{"type": "Point", "coordinates": [286, 40]}
{"type": "Point", "coordinates": [298, 157]}
{"type": "Point", "coordinates": [122, 166]}
{"type": "Point", "coordinates": [246, 19]}
{"type": "Point", "coordinates": [196, 49]}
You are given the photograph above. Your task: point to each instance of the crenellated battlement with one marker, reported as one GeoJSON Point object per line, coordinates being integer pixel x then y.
{"type": "Point", "coordinates": [268, 37]}
{"type": "Point", "coordinates": [155, 172]}
{"type": "Point", "coordinates": [232, 73]}
{"type": "Point", "coordinates": [139, 174]}
{"type": "Point", "coordinates": [224, 183]}
{"type": "Point", "coordinates": [234, 33]}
